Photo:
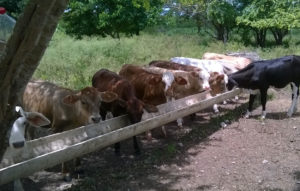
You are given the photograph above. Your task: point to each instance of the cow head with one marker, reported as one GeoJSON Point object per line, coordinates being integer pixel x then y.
{"type": "Point", "coordinates": [231, 83]}
{"type": "Point", "coordinates": [195, 76]}
{"type": "Point", "coordinates": [170, 82]}
{"type": "Point", "coordinates": [87, 103]}
{"type": "Point", "coordinates": [217, 83]}
{"type": "Point", "coordinates": [205, 76]}
{"type": "Point", "coordinates": [35, 119]}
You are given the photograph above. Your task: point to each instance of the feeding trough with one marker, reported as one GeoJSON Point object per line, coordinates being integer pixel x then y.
{"type": "Point", "coordinates": [39, 154]}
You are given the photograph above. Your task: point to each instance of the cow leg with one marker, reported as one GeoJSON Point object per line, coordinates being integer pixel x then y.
{"type": "Point", "coordinates": [296, 105]}
{"type": "Point", "coordinates": [136, 146]}
{"type": "Point", "coordinates": [250, 106]}
{"type": "Point", "coordinates": [163, 130]}
{"type": "Point", "coordinates": [65, 169]}
{"type": "Point", "coordinates": [18, 185]}
{"type": "Point", "coordinates": [179, 122]}
{"type": "Point", "coordinates": [295, 95]}
{"type": "Point", "coordinates": [215, 108]}
{"type": "Point", "coordinates": [263, 100]}
{"type": "Point", "coordinates": [193, 116]}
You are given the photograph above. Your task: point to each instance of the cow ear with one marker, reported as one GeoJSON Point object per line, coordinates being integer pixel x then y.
{"type": "Point", "coordinates": [37, 119]}
{"type": "Point", "coordinates": [154, 80]}
{"type": "Point", "coordinates": [71, 99]}
{"type": "Point", "coordinates": [150, 108]}
{"type": "Point", "coordinates": [195, 74]}
{"type": "Point", "coordinates": [180, 80]}
{"type": "Point", "coordinates": [108, 96]}
{"type": "Point", "coordinates": [220, 77]}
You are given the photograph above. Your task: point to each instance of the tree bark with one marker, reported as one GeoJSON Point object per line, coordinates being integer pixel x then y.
{"type": "Point", "coordinates": [261, 37]}
{"type": "Point", "coordinates": [25, 48]}
{"type": "Point", "coordinates": [279, 34]}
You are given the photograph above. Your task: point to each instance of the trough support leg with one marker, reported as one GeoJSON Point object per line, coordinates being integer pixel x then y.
{"type": "Point", "coordinates": [18, 185]}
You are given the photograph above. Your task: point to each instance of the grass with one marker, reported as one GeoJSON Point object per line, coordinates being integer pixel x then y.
{"type": "Point", "coordinates": [72, 63]}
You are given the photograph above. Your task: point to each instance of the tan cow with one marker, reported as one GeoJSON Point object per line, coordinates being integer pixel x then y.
{"type": "Point", "coordinates": [238, 62]}
{"type": "Point", "coordinates": [65, 108]}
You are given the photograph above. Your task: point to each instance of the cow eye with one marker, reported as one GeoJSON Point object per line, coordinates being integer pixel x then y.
{"type": "Point", "coordinates": [83, 102]}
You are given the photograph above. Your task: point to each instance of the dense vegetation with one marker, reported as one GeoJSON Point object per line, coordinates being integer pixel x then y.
{"type": "Point", "coordinates": [72, 62]}
{"type": "Point", "coordinates": [95, 34]}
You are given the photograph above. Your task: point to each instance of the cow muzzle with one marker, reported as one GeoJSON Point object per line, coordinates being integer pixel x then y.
{"type": "Point", "coordinates": [95, 119]}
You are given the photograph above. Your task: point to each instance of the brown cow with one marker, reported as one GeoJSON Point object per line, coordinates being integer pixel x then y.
{"type": "Point", "coordinates": [65, 108]}
{"type": "Point", "coordinates": [237, 62]}
{"type": "Point", "coordinates": [216, 81]}
{"type": "Point", "coordinates": [127, 103]}
{"type": "Point", "coordinates": [193, 86]}
{"type": "Point", "coordinates": [151, 88]}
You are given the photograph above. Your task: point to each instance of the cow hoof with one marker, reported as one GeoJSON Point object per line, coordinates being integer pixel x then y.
{"type": "Point", "coordinates": [248, 114]}
{"type": "Point", "coordinates": [67, 177]}
{"type": "Point", "coordinates": [149, 137]}
{"type": "Point", "coordinates": [216, 111]}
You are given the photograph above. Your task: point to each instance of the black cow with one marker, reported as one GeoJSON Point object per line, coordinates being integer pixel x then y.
{"type": "Point", "coordinates": [260, 75]}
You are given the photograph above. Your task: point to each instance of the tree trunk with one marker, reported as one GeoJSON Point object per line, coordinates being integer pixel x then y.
{"type": "Point", "coordinates": [261, 37]}
{"type": "Point", "coordinates": [220, 31]}
{"type": "Point", "coordinates": [25, 48]}
{"type": "Point", "coordinates": [279, 34]}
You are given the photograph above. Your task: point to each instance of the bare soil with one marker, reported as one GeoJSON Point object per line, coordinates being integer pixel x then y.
{"type": "Point", "coordinates": [246, 155]}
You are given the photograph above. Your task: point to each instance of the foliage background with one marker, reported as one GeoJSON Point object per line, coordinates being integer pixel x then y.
{"type": "Point", "coordinates": [71, 62]}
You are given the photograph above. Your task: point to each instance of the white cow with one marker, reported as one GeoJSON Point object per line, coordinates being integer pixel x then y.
{"type": "Point", "coordinates": [17, 134]}
{"type": "Point", "coordinates": [210, 67]}
{"type": "Point", "coordinates": [219, 66]}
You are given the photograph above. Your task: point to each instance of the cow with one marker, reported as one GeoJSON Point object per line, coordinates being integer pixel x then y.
{"type": "Point", "coordinates": [238, 62]}
{"type": "Point", "coordinates": [194, 83]}
{"type": "Point", "coordinates": [67, 109]}
{"type": "Point", "coordinates": [260, 75]}
{"type": "Point", "coordinates": [17, 133]}
{"type": "Point", "coordinates": [175, 66]}
{"type": "Point", "coordinates": [151, 88]}
{"type": "Point", "coordinates": [216, 73]}
{"type": "Point", "coordinates": [127, 102]}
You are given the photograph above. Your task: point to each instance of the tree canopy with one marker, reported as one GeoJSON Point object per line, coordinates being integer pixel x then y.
{"type": "Point", "coordinates": [101, 17]}
{"type": "Point", "coordinates": [222, 16]}
{"type": "Point", "coordinates": [279, 16]}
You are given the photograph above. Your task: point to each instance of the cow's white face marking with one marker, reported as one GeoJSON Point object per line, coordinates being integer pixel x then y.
{"type": "Point", "coordinates": [17, 132]}
{"type": "Point", "coordinates": [205, 76]}
{"type": "Point", "coordinates": [168, 78]}
{"type": "Point", "coordinates": [17, 139]}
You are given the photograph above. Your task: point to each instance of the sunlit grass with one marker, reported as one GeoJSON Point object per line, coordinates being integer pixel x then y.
{"type": "Point", "coordinates": [72, 63]}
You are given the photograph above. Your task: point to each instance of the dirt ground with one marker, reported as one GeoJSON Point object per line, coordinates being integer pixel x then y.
{"type": "Point", "coordinates": [247, 155]}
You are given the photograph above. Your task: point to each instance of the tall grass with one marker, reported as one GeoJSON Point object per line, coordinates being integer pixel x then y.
{"type": "Point", "coordinates": [72, 63]}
